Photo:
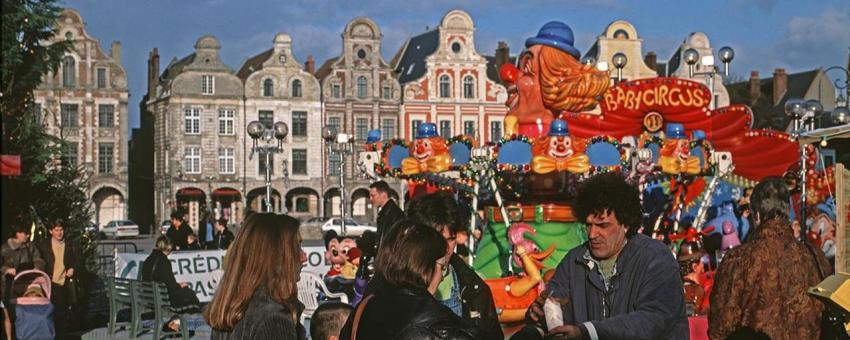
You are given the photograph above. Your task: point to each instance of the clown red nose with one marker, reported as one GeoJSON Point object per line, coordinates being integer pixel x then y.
{"type": "Point", "coordinates": [509, 74]}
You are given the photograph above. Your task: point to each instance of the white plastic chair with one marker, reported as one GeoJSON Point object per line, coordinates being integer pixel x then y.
{"type": "Point", "coordinates": [309, 287]}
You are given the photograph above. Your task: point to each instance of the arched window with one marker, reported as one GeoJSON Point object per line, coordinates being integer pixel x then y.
{"type": "Point", "coordinates": [621, 34]}
{"type": "Point", "coordinates": [361, 87]}
{"type": "Point", "coordinates": [268, 88]}
{"type": "Point", "coordinates": [296, 88]}
{"type": "Point", "coordinates": [469, 87]}
{"type": "Point", "coordinates": [445, 86]}
{"type": "Point", "coordinates": [69, 71]}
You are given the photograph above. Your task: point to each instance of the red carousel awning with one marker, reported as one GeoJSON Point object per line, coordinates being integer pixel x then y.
{"type": "Point", "coordinates": [190, 192]}
{"type": "Point", "coordinates": [226, 192]}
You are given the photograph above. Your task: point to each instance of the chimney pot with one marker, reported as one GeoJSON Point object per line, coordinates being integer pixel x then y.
{"type": "Point", "coordinates": [780, 84]}
{"type": "Point", "coordinates": [310, 65]}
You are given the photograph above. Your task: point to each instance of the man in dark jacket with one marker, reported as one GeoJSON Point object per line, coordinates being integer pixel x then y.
{"type": "Point", "coordinates": [222, 237]}
{"type": "Point", "coordinates": [761, 285]}
{"type": "Point", "coordinates": [390, 213]}
{"type": "Point", "coordinates": [61, 259]}
{"type": "Point", "coordinates": [179, 231]}
{"type": "Point", "coordinates": [462, 290]}
{"type": "Point", "coordinates": [618, 284]}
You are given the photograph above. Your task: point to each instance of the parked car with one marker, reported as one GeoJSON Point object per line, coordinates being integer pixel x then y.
{"type": "Point", "coordinates": [121, 228]}
{"type": "Point", "coordinates": [352, 227]}
{"type": "Point", "coordinates": [163, 228]}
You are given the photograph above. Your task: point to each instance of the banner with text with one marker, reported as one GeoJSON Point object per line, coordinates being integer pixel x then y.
{"type": "Point", "coordinates": [202, 270]}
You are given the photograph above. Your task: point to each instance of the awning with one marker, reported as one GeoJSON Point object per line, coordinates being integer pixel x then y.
{"type": "Point", "coordinates": [226, 192]}
{"type": "Point", "coordinates": [841, 131]}
{"type": "Point", "coordinates": [190, 192]}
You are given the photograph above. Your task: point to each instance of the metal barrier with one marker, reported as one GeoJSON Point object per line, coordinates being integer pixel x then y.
{"type": "Point", "coordinates": [106, 255]}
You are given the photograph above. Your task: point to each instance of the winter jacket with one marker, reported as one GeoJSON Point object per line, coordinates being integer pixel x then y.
{"type": "Point", "coordinates": [19, 256]}
{"type": "Point", "coordinates": [407, 313]}
{"type": "Point", "coordinates": [390, 214]}
{"type": "Point", "coordinates": [221, 240]}
{"type": "Point", "coordinates": [179, 236]}
{"type": "Point", "coordinates": [157, 268]}
{"type": "Point", "coordinates": [478, 306]}
{"type": "Point", "coordinates": [264, 319]}
{"type": "Point", "coordinates": [71, 256]}
{"type": "Point", "coordinates": [645, 299]}
{"type": "Point", "coordinates": [762, 285]}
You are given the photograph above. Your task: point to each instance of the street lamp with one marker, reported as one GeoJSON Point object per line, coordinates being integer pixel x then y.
{"type": "Point", "coordinates": [257, 131]}
{"type": "Point", "coordinates": [804, 113]}
{"type": "Point", "coordinates": [691, 56]}
{"type": "Point", "coordinates": [619, 60]}
{"type": "Point", "coordinates": [342, 145]}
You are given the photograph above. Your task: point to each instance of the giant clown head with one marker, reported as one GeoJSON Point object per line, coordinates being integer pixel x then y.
{"type": "Point", "coordinates": [548, 81]}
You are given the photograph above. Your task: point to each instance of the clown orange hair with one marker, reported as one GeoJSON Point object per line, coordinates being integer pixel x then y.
{"type": "Point", "coordinates": [438, 144]}
{"type": "Point", "coordinates": [669, 147]}
{"type": "Point", "coordinates": [541, 146]}
{"type": "Point", "coordinates": [567, 84]}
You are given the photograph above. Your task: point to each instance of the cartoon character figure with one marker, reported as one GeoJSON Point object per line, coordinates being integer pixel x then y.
{"type": "Point", "coordinates": [349, 269]}
{"type": "Point", "coordinates": [676, 153]}
{"type": "Point", "coordinates": [558, 152]}
{"type": "Point", "coordinates": [730, 236]}
{"type": "Point", "coordinates": [550, 79]}
{"type": "Point", "coordinates": [512, 295]}
{"type": "Point", "coordinates": [430, 152]}
{"type": "Point", "coordinates": [336, 253]}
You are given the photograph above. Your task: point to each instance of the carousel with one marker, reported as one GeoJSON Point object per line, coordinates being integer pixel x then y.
{"type": "Point", "coordinates": [694, 166]}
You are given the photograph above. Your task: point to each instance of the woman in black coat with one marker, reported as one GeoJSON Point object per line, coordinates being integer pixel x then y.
{"type": "Point", "coordinates": [157, 268]}
{"type": "Point", "coordinates": [409, 267]}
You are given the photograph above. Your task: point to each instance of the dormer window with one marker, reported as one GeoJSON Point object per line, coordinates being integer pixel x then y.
{"type": "Point", "coordinates": [282, 58]}
{"type": "Point", "coordinates": [207, 84]}
{"type": "Point", "coordinates": [268, 88]}
{"type": "Point", "coordinates": [296, 88]}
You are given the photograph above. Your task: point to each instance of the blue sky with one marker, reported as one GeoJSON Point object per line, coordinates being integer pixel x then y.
{"type": "Point", "coordinates": [765, 34]}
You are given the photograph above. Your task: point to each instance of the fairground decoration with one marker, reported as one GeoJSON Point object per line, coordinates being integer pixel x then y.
{"type": "Point", "coordinates": [693, 166]}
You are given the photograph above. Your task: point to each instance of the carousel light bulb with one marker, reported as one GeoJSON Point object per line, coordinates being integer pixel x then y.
{"type": "Point", "coordinates": [823, 142]}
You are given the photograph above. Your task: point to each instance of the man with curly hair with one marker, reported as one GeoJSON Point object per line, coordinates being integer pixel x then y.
{"type": "Point", "coordinates": [619, 284]}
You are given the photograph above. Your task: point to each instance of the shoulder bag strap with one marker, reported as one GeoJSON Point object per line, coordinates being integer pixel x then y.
{"type": "Point", "coordinates": [357, 315]}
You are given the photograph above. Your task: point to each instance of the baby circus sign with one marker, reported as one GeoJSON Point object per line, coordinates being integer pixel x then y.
{"type": "Point", "coordinates": [670, 95]}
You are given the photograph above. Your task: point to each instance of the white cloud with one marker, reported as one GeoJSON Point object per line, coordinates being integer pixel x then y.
{"type": "Point", "coordinates": [825, 37]}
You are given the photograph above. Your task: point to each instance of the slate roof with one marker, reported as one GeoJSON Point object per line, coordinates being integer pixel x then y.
{"type": "Point", "coordinates": [254, 64]}
{"type": "Point", "coordinates": [493, 68]}
{"type": "Point", "coordinates": [326, 68]}
{"type": "Point", "coordinates": [176, 67]}
{"type": "Point", "coordinates": [766, 114]}
{"type": "Point", "coordinates": [410, 65]}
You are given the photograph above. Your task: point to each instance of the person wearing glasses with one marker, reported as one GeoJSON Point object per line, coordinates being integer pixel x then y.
{"type": "Point", "coordinates": [411, 264]}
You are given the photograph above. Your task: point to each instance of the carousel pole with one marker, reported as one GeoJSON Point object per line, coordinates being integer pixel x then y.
{"type": "Point", "coordinates": [504, 213]}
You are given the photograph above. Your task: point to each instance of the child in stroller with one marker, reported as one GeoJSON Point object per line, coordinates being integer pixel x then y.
{"type": "Point", "coordinates": [33, 311]}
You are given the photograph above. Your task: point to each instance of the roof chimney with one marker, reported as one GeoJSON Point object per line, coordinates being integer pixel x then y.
{"type": "Point", "coordinates": [780, 84]}
{"type": "Point", "coordinates": [310, 65]}
{"type": "Point", "coordinates": [503, 54]}
{"type": "Point", "coordinates": [116, 51]}
{"type": "Point", "coordinates": [153, 72]}
{"type": "Point", "coordinates": [651, 61]}
{"type": "Point", "coordinates": [755, 87]}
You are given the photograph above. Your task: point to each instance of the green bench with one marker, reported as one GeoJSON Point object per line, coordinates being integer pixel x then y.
{"type": "Point", "coordinates": [142, 297]}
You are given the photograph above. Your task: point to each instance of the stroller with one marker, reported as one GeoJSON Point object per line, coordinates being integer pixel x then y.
{"type": "Point", "coordinates": [32, 308]}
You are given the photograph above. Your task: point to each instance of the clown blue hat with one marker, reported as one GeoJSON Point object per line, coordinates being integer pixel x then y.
{"type": "Point", "coordinates": [426, 130]}
{"type": "Point", "coordinates": [558, 128]}
{"type": "Point", "coordinates": [555, 34]}
{"type": "Point", "coordinates": [699, 134]}
{"type": "Point", "coordinates": [374, 136]}
{"type": "Point", "coordinates": [675, 131]}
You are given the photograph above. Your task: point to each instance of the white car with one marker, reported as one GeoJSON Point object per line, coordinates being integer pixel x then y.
{"type": "Point", "coordinates": [352, 228]}
{"type": "Point", "coordinates": [120, 228]}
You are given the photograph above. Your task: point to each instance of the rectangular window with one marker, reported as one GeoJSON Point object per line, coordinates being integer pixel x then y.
{"type": "Point", "coordinates": [415, 126]}
{"type": "Point", "coordinates": [388, 129]}
{"type": "Point", "coordinates": [226, 159]}
{"type": "Point", "coordinates": [36, 113]}
{"type": "Point", "coordinates": [495, 131]}
{"type": "Point", "coordinates": [335, 123]}
{"type": "Point", "coordinates": [386, 93]}
{"type": "Point", "coordinates": [302, 204]}
{"type": "Point", "coordinates": [469, 128]}
{"type": "Point", "coordinates": [192, 120]}
{"type": "Point", "coordinates": [101, 78]}
{"type": "Point", "coordinates": [192, 160]}
{"type": "Point", "coordinates": [335, 91]}
{"type": "Point", "coordinates": [262, 163]}
{"type": "Point", "coordinates": [362, 129]}
{"type": "Point", "coordinates": [70, 114]}
{"type": "Point", "coordinates": [105, 115]}
{"type": "Point", "coordinates": [207, 84]}
{"type": "Point", "coordinates": [104, 157]}
{"type": "Point", "coordinates": [69, 157]}
{"type": "Point", "coordinates": [225, 121]}
{"type": "Point", "coordinates": [266, 117]}
{"type": "Point", "coordinates": [299, 123]}
{"type": "Point", "coordinates": [299, 161]}
{"type": "Point", "coordinates": [446, 128]}
{"type": "Point", "coordinates": [333, 164]}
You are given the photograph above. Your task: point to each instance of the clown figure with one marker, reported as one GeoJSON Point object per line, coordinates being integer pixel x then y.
{"type": "Point", "coordinates": [676, 153]}
{"type": "Point", "coordinates": [429, 153]}
{"type": "Point", "coordinates": [557, 152]}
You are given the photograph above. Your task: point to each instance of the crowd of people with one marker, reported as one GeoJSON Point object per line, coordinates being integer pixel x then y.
{"type": "Point", "coordinates": [413, 284]}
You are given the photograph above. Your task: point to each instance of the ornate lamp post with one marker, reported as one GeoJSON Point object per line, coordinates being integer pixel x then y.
{"type": "Point", "coordinates": [691, 56]}
{"type": "Point", "coordinates": [804, 113]}
{"type": "Point", "coordinates": [257, 131]}
{"type": "Point", "coordinates": [342, 145]}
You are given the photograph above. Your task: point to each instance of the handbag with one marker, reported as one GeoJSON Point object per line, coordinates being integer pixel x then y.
{"type": "Point", "coordinates": [831, 324]}
{"type": "Point", "coordinates": [357, 315]}
{"type": "Point", "coordinates": [74, 290]}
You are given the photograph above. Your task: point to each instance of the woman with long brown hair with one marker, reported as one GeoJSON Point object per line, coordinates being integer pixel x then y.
{"type": "Point", "coordinates": [257, 297]}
